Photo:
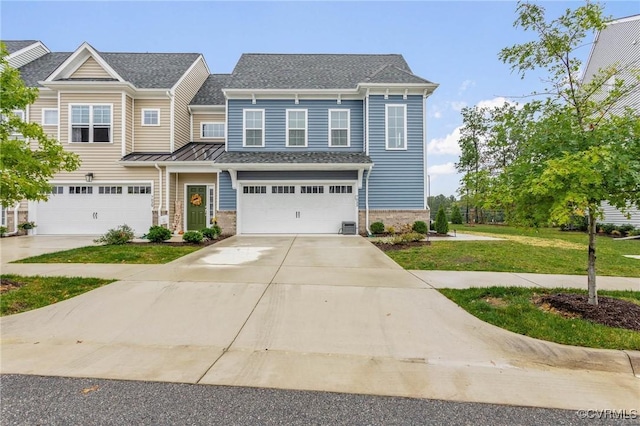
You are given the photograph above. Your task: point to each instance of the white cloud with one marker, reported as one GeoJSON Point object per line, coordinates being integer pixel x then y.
{"type": "Point", "coordinates": [442, 169]}
{"type": "Point", "coordinates": [446, 145]}
{"type": "Point", "coordinates": [437, 114]}
{"type": "Point", "coordinates": [465, 85]}
{"type": "Point", "coordinates": [495, 102]}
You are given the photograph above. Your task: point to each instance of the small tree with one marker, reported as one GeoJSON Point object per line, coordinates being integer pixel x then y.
{"type": "Point", "coordinates": [456, 215]}
{"type": "Point", "coordinates": [442, 226]}
{"type": "Point", "coordinates": [25, 170]}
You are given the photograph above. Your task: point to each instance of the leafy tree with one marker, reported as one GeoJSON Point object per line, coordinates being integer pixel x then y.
{"type": "Point", "coordinates": [441, 200]}
{"type": "Point", "coordinates": [456, 216]}
{"type": "Point", "coordinates": [442, 226]}
{"type": "Point", "coordinates": [583, 147]}
{"type": "Point", "coordinates": [28, 157]}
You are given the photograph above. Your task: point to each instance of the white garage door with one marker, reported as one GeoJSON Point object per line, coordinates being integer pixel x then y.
{"type": "Point", "coordinates": [83, 209]}
{"type": "Point", "coordinates": [288, 208]}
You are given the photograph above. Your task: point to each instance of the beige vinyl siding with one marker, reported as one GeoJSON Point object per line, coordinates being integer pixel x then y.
{"type": "Point", "coordinates": [198, 119]}
{"type": "Point", "coordinates": [129, 125]}
{"type": "Point", "coordinates": [35, 114]}
{"type": "Point", "coordinates": [152, 138]}
{"type": "Point", "coordinates": [184, 93]}
{"type": "Point", "coordinates": [99, 158]}
{"type": "Point", "coordinates": [90, 69]}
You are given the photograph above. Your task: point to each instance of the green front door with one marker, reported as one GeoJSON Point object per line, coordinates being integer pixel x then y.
{"type": "Point", "coordinates": [196, 207]}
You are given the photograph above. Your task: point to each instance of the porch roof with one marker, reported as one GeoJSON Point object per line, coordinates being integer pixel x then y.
{"type": "Point", "coordinates": [193, 151]}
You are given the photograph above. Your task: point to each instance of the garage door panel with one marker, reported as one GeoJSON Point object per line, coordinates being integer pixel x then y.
{"type": "Point", "coordinates": [317, 212]}
{"type": "Point", "coordinates": [94, 213]}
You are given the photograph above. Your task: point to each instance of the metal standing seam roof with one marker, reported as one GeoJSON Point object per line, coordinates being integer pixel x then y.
{"type": "Point", "coordinates": [193, 151]}
{"type": "Point", "coordinates": [318, 71]}
{"type": "Point", "coordinates": [15, 45]}
{"type": "Point", "coordinates": [143, 70]}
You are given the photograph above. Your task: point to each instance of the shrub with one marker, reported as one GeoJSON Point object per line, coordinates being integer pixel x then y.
{"type": "Point", "coordinates": [442, 226]}
{"type": "Point", "coordinates": [608, 228]}
{"type": "Point", "coordinates": [3, 230]}
{"type": "Point", "coordinates": [456, 215]}
{"type": "Point", "coordinates": [27, 225]}
{"type": "Point", "coordinates": [634, 233]}
{"type": "Point", "coordinates": [626, 228]}
{"type": "Point", "coordinates": [391, 230]}
{"type": "Point", "coordinates": [576, 223]}
{"type": "Point", "coordinates": [194, 237]}
{"type": "Point", "coordinates": [209, 233]}
{"type": "Point", "coordinates": [420, 227]}
{"type": "Point", "coordinates": [377, 228]}
{"type": "Point", "coordinates": [158, 234]}
{"type": "Point", "coordinates": [407, 238]}
{"type": "Point", "coordinates": [120, 235]}
{"type": "Point", "coordinates": [616, 233]}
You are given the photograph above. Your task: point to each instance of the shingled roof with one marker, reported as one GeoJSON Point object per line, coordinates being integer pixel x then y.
{"type": "Point", "coordinates": [143, 70]}
{"type": "Point", "coordinates": [305, 157]}
{"type": "Point", "coordinates": [15, 45]}
{"type": "Point", "coordinates": [211, 91]}
{"type": "Point", "coordinates": [319, 71]}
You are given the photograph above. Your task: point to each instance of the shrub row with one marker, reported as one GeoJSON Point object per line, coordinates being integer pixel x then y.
{"type": "Point", "coordinates": [157, 234]}
{"type": "Point", "coordinates": [617, 230]}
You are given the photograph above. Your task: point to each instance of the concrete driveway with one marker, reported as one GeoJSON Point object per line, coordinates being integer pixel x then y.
{"type": "Point", "coordinates": [315, 313]}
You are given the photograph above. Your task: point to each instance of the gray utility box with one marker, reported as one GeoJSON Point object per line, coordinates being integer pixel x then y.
{"type": "Point", "coordinates": [349, 228]}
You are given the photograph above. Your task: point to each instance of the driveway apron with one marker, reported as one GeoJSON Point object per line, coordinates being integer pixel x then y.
{"type": "Point", "coordinates": [306, 312]}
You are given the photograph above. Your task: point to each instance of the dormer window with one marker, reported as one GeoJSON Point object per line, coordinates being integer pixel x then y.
{"type": "Point", "coordinates": [91, 123]}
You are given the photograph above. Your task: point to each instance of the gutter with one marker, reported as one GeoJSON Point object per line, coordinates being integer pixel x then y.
{"type": "Point", "coordinates": [366, 203]}
{"type": "Point", "coordinates": [160, 190]}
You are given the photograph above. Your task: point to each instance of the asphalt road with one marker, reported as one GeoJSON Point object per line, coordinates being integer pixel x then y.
{"type": "Point", "coordinates": [35, 400]}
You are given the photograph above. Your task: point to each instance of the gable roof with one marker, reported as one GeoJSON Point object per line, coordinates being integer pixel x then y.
{"type": "Point", "coordinates": [318, 71]}
{"type": "Point", "coordinates": [143, 70]}
{"type": "Point", "coordinates": [211, 91]}
{"type": "Point", "coordinates": [15, 45]}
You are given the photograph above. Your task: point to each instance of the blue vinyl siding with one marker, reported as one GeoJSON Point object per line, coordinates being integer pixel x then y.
{"type": "Point", "coordinates": [227, 193]}
{"type": "Point", "coordinates": [397, 179]}
{"type": "Point", "coordinates": [275, 124]}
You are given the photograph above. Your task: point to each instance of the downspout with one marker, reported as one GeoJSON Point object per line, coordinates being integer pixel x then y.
{"type": "Point", "coordinates": [159, 191]}
{"type": "Point", "coordinates": [172, 143]}
{"type": "Point", "coordinates": [366, 203]}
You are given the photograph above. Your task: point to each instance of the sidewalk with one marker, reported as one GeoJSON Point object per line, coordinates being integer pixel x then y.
{"type": "Point", "coordinates": [469, 279]}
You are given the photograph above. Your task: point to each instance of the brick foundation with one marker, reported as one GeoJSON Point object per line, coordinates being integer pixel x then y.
{"type": "Point", "coordinates": [227, 221]}
{"type": "Point", "coordinates": [395, 218]}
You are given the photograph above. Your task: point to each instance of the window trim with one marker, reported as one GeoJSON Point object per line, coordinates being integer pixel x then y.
{"type": "Point", "coordinates": [142, 111]}
{"type": "Point", "coordinates": [244, 127]}
{"type": "Point", "coordinates": [306, 127]}
{"type": "Point", "coordinates": [21, 114]}
{"type": "Point", "coordinates": [348, 145]}
{"type": "Point", "coordinates": [91, 105]}
{"type": "Point", "coordinates": [44, 111]}
{"type": "Point", "coordinates": [224, 130]}
{"type": "Point", "coordinates": [386, 127]}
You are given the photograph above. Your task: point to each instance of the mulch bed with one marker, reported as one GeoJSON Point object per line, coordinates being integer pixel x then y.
{"type": "Point", "coordinates": [181, 243]}
{"type": "Point", "coordinates": [391, 247]}
{"type": "Point", "coordinates": [609, 311]}
{"type": "Point", "coordinates": [8, 285]}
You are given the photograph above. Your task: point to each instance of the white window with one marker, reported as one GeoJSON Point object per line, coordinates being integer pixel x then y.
{"type": "Point", "coordinates": [282, 189]}
{"type": "Point", "coordinates": [396, 126]}
{"type": "Point", "coordinates": [91, 123]}
{"type": "Point", "coordinates": [57, 190]}
{"type": "Point", "coordinates": [81, 190]}
{"type": "Point", "coordinates": [109, 190]}
{"type": "Point", "coordinates": [297, 127]}
{"type": "Point", "coordinates": [150, 117]}
{"type": "Point", "coordinates": [253, 127]}
{"type": "Point", "coordinates": [20, 115]}
{"type": "Point", "coordinates": [254, 190]}
{"type": "Point", "coordinates": [339, 127]}
{"type": "Point", "coordinates": [49, 116]}
{"type": "Point", "coordinates": [212, 206]}
{"type": "Point", "coordinates": [212, 130]}
{"type": "Point", "coordinates": [139, 190]}
{"type": "Point", "coordinates": [3, 220]}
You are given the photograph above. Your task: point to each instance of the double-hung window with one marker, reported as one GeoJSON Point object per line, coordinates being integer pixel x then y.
{"type": "Point", "coordinates": [297, 127]}
{"type": "Point", "coordinates": [91, 123]}
{"type": "Point", "coordinates": [15, 133]}
{"type": "Point", "coordinates": [253, 127]}
{"type": "Point", "coordinates": [150, 117]}
{"type": "Point", "coordinates": [212, 130]}
{"type": "Point", "coordinates": [396, 126]}
{"type": "Point", "coordinates": [339, 127]}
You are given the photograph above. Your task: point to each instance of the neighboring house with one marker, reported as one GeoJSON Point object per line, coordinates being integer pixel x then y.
{"type": "Point", "coordinates": [283, 144]}
{"type": "Point", "coordinates": [618, 45]}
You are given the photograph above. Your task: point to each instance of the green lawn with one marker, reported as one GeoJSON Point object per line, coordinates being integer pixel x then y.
{"type": "Point", "coordinates": [37, 291]}
{"type": "Point", "coordinates": [511, 308]}
{"type": "Point", "coordinates": [546, 250]}
{"type": "Point", "coordinates": [126, 254]}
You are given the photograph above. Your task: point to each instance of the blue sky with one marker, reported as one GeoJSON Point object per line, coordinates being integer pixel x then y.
{"type": "Point", "coordinates": [451, 43]}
